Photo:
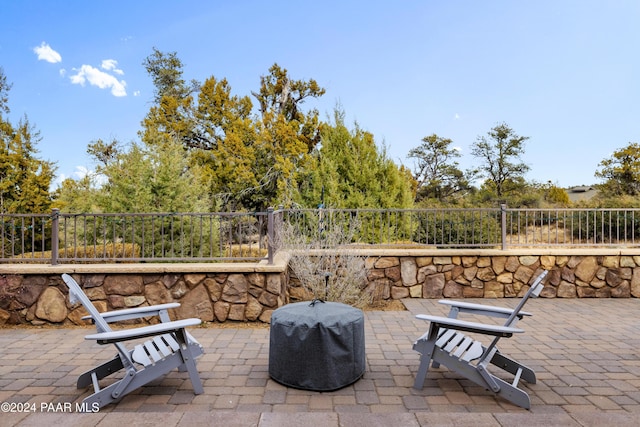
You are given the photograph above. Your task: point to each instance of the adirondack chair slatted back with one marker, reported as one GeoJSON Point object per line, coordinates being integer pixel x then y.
{"type": "Point", "coordinates": [534, 291]}
{"type": "Point", "coordinates": [77, 295]}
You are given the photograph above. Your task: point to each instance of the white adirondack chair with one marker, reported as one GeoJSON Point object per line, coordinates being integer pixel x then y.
{"type": "Point", "coordinates": [445, 343]}
{"type": "Point", "coordinates": [169, 347]}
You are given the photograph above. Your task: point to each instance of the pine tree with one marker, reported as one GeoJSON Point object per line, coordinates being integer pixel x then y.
{"type": "Point", "coordinates": [24, 178]}
{"type": "Point", "coordinates": [352, 172]}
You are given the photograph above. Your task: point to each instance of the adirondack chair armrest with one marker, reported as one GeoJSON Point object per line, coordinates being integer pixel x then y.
{"type": "Point", "coordinates": [142, 332]}
{"type": "Point", "coordinates": [135, 313]}
{"type": "Point", "coordinates": [463, 325]}
{"type": "Point", "coordinates": [481, 309]}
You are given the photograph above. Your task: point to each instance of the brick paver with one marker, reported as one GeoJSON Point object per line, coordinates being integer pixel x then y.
{"type": "Point", "coordinates": [585, 354]}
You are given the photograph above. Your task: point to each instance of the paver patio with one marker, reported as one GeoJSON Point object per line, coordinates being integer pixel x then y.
{"type": "Point", "coordinates": [585, 353]}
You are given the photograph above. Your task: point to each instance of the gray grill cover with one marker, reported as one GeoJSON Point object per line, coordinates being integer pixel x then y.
{"type": "Point", "coordinates": [317, 347]}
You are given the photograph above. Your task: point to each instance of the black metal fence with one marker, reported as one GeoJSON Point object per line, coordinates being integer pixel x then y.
{"type": "Point", "coordinates": [500, 228]}
{"type": "Point", "coordinates": [214, 237]}
{"type": "Point", "coordinates": [136, 237]}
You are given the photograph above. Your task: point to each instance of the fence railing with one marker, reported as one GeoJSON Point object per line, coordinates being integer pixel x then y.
{"type": "Point", "coordinates": [136, 237]}
{"type": "Point", "coordinates": [212, 237]}
{"type": "Point", "coordinates": [500, 228]}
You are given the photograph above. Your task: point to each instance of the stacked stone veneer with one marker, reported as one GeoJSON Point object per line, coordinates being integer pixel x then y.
{"type": "Point", "coordinates": [38, 296]}
{"type": "Point", "coordinates": [503, 276]}
{"type": "Point", "coordinates": [214, 297]}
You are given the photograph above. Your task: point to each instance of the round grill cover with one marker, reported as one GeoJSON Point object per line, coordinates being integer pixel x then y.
{"type": "Point", "coordinates": [317, 346]}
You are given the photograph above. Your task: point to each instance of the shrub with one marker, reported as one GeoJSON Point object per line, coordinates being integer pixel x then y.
{"type": "Point", "coordinates": [324, 264]}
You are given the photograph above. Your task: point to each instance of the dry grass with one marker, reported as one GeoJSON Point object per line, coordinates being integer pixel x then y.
{"type": "Point", "coordinates": [245, 251]}
{"type": "Point", "coordinates": [99, 251]}
{"type": "Point", "coordinates": [386, 305]}
{"type": "Point", "coordinates": [536, 235]}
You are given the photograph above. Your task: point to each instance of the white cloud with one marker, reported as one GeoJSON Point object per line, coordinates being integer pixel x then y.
{"type": "Point", "coordinates": [62, 72]}
{"type": "Point", "coordinates": [136, 93]}
{"type": "Point", "coordinates": [46, 53]}
{"type": "Point", "coordinates": [81, 172]}
{"type": "Point", "coordinates": [457, 116]}
{"type": "Point", "coordinates": [111, 65]}
{"type": "Point", "coordinates": [98, 78]}
{"type": "Point", "coordinates": [96, 178]}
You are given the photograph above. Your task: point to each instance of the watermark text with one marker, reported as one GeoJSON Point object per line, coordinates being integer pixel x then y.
{"type": "Point", "coordinates": [60, 407]}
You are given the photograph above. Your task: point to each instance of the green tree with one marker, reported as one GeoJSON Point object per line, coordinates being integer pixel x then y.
{"type": "Point", "coordinates": [24, 178]}
{"type": "Point", "coordinates": [141, 178]}
{"type": "Point", "coordinates": [286, 135]}
{"type": "Point", "coordinates": [153, 178]}
{"type": "Point", "coordinates": [556, 195]}
{"type": "Point", "coordinates": [77, 195]}
{"type": "Point", "coordinates": [500, 154]}
{"type": "Point", "coordinates": [621, 171]}
{"type": "Point", "coordinates": [250, 161]}
{"type": "Point", "coordinates": [229, 157]}
{"type": "Point", "coordinates": [351, 171]}
{"type": "Point", "coordinates": [172, 114]}
{"type": "Point", "coordinates": [280, 96]}
{"type": "Point", "coordinates": [4, 93]}
{"type": "Point", "coordinates": [219, 113]}
{"type": "Point", "coordinates": [165, 70]}
{"type": "Point", "coordinates": [436, 171]}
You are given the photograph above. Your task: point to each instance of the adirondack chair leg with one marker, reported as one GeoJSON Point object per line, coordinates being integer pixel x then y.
{"type": "Point", "coordinates": [513, 394]}
{"type": "Point", "coordinates": [425, 345]}
{"type": "Point", "coordinates": [188, 357]}
{"type": "Point", "coordinates": [102, 371]}
{"type": "Point", "coordinates": [132, 381]}
{"type": "Point", "coordinates": [507, 364]}
{"type": "Point", "coordinates": [102, 398]}
{"type": "Point", "coordinates": [122, 385]}
{"type": "Point", "coordinates": [112, 393]}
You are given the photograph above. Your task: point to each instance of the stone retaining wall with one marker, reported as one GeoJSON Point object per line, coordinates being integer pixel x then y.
{"type": "Point", "coordinates": [212, 297]}
{"type": "Point", "coordinates": [576, 276]}
{"type": "Point", "coordinates": [250, 292]}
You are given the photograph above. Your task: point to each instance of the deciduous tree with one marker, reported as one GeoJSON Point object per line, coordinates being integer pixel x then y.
{"type": "Point", "coordinates": [436, 171]}
{"type": "Point", "coordinates": [499, 153]}
{"type": "Point", "coordinates": [621, 171]}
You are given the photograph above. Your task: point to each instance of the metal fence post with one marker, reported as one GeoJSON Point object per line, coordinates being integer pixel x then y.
{"type": "Point", "coordinates": [55, 223]}
{"type": "Point", "coordinates": [270, 234]}
{"type": "Point", "coordinates": [503, 225]}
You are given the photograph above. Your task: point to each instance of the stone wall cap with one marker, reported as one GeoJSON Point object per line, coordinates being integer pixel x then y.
{"type": "Point", "coordinates": [279, 266]}
{"type": "Point", "coordinates": [281, 260]}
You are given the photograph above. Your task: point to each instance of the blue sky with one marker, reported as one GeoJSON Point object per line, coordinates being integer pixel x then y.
{"type": "Point", "coordinates": [565, 73]}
